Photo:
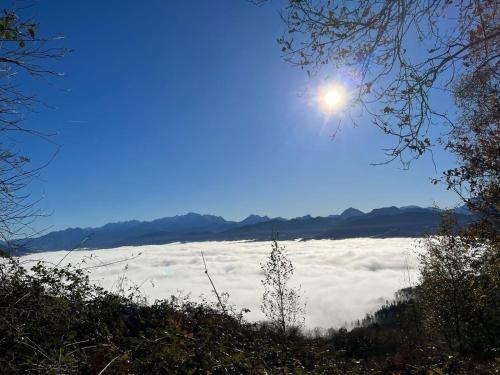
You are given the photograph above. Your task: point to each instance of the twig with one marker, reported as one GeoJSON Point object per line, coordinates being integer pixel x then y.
{"type": "Point", "coordinates": [213, 286]}
{"type": "Point", "coordinates": [74, 248]}
{"type": "Point", "coordinates": [109, 364]}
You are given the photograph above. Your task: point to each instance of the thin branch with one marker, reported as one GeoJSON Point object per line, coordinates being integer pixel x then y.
{"type": "Point", "coordinates": [213, 286]}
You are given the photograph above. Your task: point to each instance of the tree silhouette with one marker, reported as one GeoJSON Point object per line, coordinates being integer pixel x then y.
{"type": "Point", "coordinates": [23, 56]}
{"type": "Point", "coordinates": [399, 53]}
{"type": "Point", "coordinates": [280, 302]}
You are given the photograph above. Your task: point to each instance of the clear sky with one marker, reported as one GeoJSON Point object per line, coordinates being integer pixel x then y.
{"type": "Point", "coordinates": [169, 107]}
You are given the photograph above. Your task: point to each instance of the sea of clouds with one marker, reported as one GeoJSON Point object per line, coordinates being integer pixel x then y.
{"type": "Point", "coordinates": [341, 280]}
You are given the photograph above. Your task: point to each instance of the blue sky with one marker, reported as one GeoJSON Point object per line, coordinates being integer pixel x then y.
{"type": "Point", "coordinates": [168, 107]}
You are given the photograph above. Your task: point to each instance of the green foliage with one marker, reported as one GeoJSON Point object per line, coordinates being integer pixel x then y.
{"type": "Point", "coordinates": [280, 302]}
{"type": "Point", "coordinates": [392, 329]}
{"type": "Point", "coordinates": [54, 320]}
{"type": "Point", "coordinates": [12, 28]}
{"type": "Point", "coordinates": [460, 290]}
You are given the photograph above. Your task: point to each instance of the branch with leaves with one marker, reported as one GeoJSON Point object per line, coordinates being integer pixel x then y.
{"type": "Point", "coordinates": [24, 53]}
{"type": "Point", "coordinates": [400, 53]}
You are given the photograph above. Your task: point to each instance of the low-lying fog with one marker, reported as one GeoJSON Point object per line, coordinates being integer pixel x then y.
{"type": "Point", "coordinates": [341, 280]}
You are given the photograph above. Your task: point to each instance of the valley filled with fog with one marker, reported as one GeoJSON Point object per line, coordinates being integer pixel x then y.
{"type": "Point", "coordinates": [341, 280]}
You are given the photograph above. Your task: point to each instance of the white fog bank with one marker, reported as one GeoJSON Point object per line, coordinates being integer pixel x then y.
{"type": "Point", "coordinates": [341, 280]}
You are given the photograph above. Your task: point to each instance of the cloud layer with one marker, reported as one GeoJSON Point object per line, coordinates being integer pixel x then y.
{"type": "Point", "coordinates": [341, 280]}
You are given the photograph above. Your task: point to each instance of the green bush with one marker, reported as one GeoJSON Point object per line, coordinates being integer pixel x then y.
{"type": "Point", "coordinates": [55, 321]}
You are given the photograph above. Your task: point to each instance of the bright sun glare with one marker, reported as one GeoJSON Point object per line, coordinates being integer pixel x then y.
{"type": "Point", "coordinates": [332, 98]}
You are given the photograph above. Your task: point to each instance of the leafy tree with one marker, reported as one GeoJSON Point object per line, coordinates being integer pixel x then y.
{"type": "Point", "coordinates": [457, 292]}
{"type": "Point", "coordinates": [23, 55]}
{"type": "Point", "coordinates": [280, 302]}
{"type": "Point", "coordinates": [475, 140]}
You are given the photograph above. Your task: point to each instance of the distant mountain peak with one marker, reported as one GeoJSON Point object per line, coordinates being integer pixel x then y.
{"type": "Point", "coordinates": [351, 212]}
{"type": "Point", "coordinates": [254, 219]}
{"type": "Point", "coordinates": [279, 218]}
{"type": "Point", "coordinates": [305, 217]}
{"type": "Point", "coordinates": [382, 222]}
{"type": "Point", "coordinates": [253, 216]}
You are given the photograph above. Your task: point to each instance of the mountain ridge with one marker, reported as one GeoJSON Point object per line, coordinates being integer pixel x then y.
{"type": "Point", "coordinates": [407, 221]}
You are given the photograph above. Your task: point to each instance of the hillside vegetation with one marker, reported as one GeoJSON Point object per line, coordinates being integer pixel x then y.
{"type": "Point", "coordinates": [55, 321]}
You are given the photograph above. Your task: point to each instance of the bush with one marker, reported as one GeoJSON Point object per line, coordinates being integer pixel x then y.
{"type": "Point", "coordinates": [55, 321]}
{"type": "Point", "coordinates": [460, 290]}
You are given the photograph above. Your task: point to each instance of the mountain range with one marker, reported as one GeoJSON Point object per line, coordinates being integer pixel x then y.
{"type": "Point", "coordinates": [408, 221]}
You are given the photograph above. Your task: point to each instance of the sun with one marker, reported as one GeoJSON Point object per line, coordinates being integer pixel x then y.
{"type": "Point", "coordinates": [332, 98]}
